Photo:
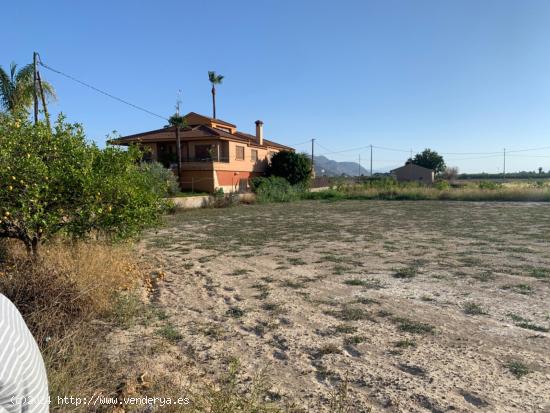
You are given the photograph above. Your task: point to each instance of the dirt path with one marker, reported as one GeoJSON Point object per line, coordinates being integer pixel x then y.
{"type": "Point", "coordinates": [408, 306]}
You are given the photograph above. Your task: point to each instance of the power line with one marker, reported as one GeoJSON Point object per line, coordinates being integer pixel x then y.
{"type": "Point", "coordinates": [490, 154]}
{"type": "Point", "coordinates": [324, 147]}
{"type": "Point", "coordinates": [529, 156]}
{"type": "Point", "coordinates": [477, 157]}
{"type": "Point", "coordinates": [346, 150]}
{"type": "Point", "coordinates": [74, 79]}
{"type": "Point", "coordinates": [471, 153]}
{"type": "Point", "coordinates": [493, 154]}
{"type": "Point", "coordinates": [300, 143]}
{"type": "Point", "coordinates": [390, 149]}
{"type": "Point", "coordinates": [531, 149]}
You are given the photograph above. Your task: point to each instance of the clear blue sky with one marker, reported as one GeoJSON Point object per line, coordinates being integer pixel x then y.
{"type": "Point", "coordinates": [455, 76]}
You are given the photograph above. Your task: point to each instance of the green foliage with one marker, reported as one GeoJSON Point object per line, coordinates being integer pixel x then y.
{"type": "Point", "coordinates": [223, 200]}
{"type": "Point", "coordinates": [292, 166]}
{"type": "Point", "coordinates": [170, 333]}
{"type": "Point", "coordinates": [163, 179]}
{"type": "Point", "coordinates": [442, 185]}
{"type": "Point", "coordinates": [517, 368]}
{"type": "Point", "coordinates": [380, 182]}
{"type": "Point", "coordinates": [414, 327]}
{"type": "Point", "coordinates": [473, 309]}
{"type": "Point", "coordinates": [414, 191]}
{"type": "Point", "coordinates": [166, 159]}
{"type": "Point", "coordinates": [275, 189]}
{"type": "Point", "coordinates": [509, 175]}
{"type": "Point", "coordinates": [55, 181]}
{"type": "Point", "coordinates": [176, 120]}
{"type": "Point", "coordinates": [488, 185]}
{"type": "Point", "coordinates": [429, 159]}
{"type": "Point", "coordinates": [214, 78]}
{"type": "Point", "coordinates": [17, 88]}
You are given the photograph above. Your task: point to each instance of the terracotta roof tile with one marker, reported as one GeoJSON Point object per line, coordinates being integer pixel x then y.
{"type": "Point", "coordinates": [194, 132]}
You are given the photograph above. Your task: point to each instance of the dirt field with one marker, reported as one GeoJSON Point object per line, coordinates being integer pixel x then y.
{"type": "Point", "coordinates": [392, 306]}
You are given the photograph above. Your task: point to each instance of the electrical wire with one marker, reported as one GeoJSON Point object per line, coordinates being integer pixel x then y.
{"type": "Point", "coordinates": [300, 143]}
{"type": "Point", "coordinates": [329, 152]}
{"type": "Point", "coordinates": [74, 79]}
{"type": "Point", "coordinates": [391, 149]}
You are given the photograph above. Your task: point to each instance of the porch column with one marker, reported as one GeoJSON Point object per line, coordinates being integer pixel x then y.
{"type": "Point", "coordinates": [154, 152]}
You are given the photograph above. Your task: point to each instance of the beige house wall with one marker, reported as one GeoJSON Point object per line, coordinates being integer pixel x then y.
{"type": "Point", "coordinates": [411, 172]}
{"type": "Point", "coordinates": [204, 176]}
{"type": "Point", "coordinates": [229, 174]}
{"type": "Point", "coordinates": [247, 164]}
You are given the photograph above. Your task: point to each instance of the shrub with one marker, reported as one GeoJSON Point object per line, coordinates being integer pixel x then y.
{"type": "Point", "coordinates": [517, 368]}
{"type": "Point", "coordinates": [473, 309]}
{"type": "Point", "coordinates": [442, 185]}
{"type": "Point", "coordinates": [450, 173]}
{"type": "Point", "coordinates": [164, 180]}
{"type": "Point", "coordinates": [55, 181]}
{"type": "Point", "coordinates": [275, 189]}
{"type": "Point", "coordinates": [406, 272]}
{"type": "Point", "coordinates": [222, 200]}
{"type": "Point", "coordinates": [381, 182]}
{"type": "Point", "coordinates": [410, 326]}
{"type": "Point", "coordinates": [292, 166]}
{"type": "Point", "coordinates": [488, 185]}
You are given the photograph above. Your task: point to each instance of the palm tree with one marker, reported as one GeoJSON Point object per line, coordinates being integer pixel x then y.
{"type": "Point", "coordinates": [176, 120]}
{"type": "Point", "coordinates": [215, 80]}
{"type": "Point", "coordinates": [17, 88]}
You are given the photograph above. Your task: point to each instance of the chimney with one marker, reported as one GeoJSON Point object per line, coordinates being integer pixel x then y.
{"type": "Point", "coordinates": [260, 132]}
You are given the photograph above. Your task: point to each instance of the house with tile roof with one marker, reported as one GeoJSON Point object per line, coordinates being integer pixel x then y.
{"type": "Point", "coordinates": [214, 154]}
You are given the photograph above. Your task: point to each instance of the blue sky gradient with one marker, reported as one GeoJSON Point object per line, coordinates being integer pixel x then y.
{"type": "Point", "coordinates": [463, 76]}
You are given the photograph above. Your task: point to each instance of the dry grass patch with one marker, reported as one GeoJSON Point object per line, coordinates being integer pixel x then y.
{"type": "Point", "coordinates": [61, 296]}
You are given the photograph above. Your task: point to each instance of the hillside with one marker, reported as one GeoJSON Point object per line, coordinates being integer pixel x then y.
{"type": "Point", "coordinates": [329, 167]}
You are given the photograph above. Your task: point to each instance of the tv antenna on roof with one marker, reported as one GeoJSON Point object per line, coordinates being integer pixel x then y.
{"type": "Point", "coordinates": [178, 102]}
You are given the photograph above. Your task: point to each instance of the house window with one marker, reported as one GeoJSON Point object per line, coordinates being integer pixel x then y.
{"type": "Point", "coordinates": [203, 152]}
{"type": "Point", "coordinates": [240, 153]}
{"type": "Point", "coordinates": [254, 155]}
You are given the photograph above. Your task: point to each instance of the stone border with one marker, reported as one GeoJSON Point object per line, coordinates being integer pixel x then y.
{"type": "Point", "coordinates": [203, 201]}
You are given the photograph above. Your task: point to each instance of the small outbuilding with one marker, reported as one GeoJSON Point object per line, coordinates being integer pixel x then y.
{"type": "Point", "coordinates": [411, 172]}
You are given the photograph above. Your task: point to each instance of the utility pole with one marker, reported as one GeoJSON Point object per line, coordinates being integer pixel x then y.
{"type": "Point", "coordinates": [46, 114]}
{"type": "Point", "coordinates": [371, 160]}
{"type": "Point", "coordinates": [35, 88]}
{"type": "Point", "coordinates": [504, 165]}
{"type": "Point", "coordinates": [178, 149]}
{"type": "Point", "coordinates": [312, 157]}
{"type": "Point", "coordinates": [178, 141]}
{"type": "Point", "coordinates": [359, 169]}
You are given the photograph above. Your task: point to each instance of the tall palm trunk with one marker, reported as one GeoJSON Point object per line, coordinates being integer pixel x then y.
{"type": "Point", "coordinates": [214, 101]}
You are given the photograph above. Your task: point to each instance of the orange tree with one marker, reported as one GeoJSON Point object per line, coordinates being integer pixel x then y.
{"type": "Point", "coordinates": [56, 182]}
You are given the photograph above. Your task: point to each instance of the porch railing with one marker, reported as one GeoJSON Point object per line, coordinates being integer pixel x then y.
{"type": "Point", "coordinates": [205, 159]}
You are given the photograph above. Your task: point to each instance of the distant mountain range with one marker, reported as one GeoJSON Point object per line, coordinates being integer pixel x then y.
{"type": "Point", "coordinates": [328, 167]}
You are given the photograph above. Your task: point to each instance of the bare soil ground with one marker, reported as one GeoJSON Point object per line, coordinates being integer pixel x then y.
{"type": "Point", "coordinates": [392, 306]}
